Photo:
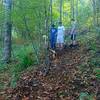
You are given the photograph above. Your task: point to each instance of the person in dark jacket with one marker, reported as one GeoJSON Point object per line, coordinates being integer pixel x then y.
{"type": "Point", "coordinates": [53, 33]}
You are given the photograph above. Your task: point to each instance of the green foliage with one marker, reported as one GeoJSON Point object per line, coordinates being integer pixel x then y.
{"type": "Point", "coordinates": [86, 96]}
{"type": "Point", "coordinates": [27, 12]}
{"type": "Point", "coordinates": [95, 61]}
{"type": "Point", "coordinates": [28, 17]}
{"type": "Point", "coordinates": [25, 57]}
{"type": "Point", "coordinates": [97, 71]}
{"type": "Point", "coordinates": [14, 80]}
{"type": "Point", "coordinates": [24, 63]}
{"type": "Point", "coordinates": [92, 46]}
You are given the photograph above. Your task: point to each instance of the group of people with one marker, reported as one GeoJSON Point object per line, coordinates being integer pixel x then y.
{"type": "Point", "coordinates": [57, 35]}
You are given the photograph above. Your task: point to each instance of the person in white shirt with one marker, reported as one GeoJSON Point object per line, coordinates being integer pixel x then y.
{"type": "Point", "coordinates": [60, 35]}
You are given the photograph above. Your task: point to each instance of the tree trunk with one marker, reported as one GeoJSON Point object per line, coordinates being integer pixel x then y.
{"type": "Point", "coordinates": [76, 9]}
{"type": "Point", "coordinates": [7, 31]}
{"type": "Point", "coordinates": [61, 2]}
{"type": "Point", "coordinates": [51, 12]}
{"type": "Point", "coordinates": [94, 12]}
{"type": "Point", "coordinates": [72, 9]}
{"type": "Point", "coordinates": [98, 11]}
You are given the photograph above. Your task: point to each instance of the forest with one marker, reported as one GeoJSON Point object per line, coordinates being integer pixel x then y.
{"type": "Point", "coordinates": [31, 69]}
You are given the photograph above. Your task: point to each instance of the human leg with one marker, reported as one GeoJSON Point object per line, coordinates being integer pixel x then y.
{"type": "Point", "coordinates": [74, 39]}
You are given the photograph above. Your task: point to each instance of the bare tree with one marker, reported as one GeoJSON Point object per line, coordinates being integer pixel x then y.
{"type": "Point", "coordinates": [7, 31]}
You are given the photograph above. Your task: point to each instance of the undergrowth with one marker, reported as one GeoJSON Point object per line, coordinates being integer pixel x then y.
{"type": "Point", "coordinates": [25, 57]}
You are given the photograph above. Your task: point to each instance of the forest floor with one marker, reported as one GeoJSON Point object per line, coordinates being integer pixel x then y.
{"type": "Point", "coordinates": [69, 77]}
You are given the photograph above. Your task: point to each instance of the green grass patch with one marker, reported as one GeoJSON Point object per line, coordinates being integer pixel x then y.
{"type": "Point", "coordinates": [23, 56]}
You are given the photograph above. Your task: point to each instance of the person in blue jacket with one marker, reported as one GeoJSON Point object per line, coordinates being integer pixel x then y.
{"type": "Point", "coordinates": [53, 34]}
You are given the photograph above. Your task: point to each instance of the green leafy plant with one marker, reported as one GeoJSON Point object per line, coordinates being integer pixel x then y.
{"type": "Point", "coordinates": [86, 96]}
{"type": "Point", "coordinates": [97, 71]}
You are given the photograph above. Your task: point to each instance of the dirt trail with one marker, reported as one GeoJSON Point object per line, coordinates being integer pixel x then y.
{"type": "Point", "coordinates": [64, 80]}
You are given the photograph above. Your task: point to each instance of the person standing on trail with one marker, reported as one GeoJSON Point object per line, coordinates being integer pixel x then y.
{"type": "Point", "coordinates": [53, 33]}
{"type": "Point", "coordinates": [60, 36]}
{"type": "Point", "coordinates": [73, 32]}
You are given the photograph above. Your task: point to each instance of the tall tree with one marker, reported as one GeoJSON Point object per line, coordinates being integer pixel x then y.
{"type": "Point", "coordinates": [51, 11]}
{"type": "Point", "coordinates": [7, 31]}
{"type": "Point", "coordinates": [72, 9]}
{"type": "Point", "coordinates": [76, 8]}
{"type": "Point", "coordinates": [94, 11]}
{"type": "Point", "coordinates": [61, 2]}
{"type": "Point", "coordinates": [98, 11]}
